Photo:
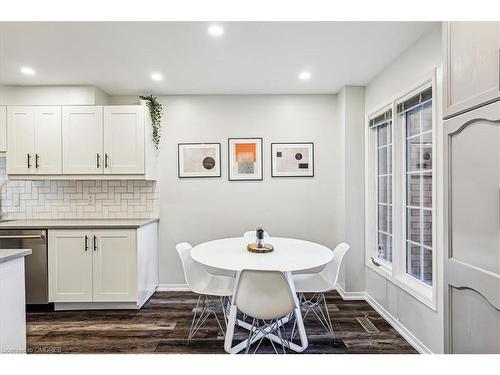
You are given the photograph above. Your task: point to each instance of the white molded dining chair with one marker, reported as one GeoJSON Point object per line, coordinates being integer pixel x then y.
{"type": "Point", "coordinates": [251, 234]}
{"type": "Point", "coordinates": [319, 284]}
{"type": "Point", "coordinates": [205, 284]}
{"type": "Point", "coordinates": [267, 297]}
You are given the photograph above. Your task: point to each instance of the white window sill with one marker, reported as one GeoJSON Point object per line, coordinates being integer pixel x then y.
{"type": "Point", "coordinates": [420, 291]}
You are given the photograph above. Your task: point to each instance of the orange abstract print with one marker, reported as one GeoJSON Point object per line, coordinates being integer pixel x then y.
{"type": "Point", "coordinates": [246, 152]}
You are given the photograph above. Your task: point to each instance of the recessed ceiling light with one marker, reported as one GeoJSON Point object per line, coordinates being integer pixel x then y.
{"type": "Point", "coordinates": [304, 76]}
{"type": "Point", "coordinates": [28, 71]}
{"type": "Point", "coordinates": [156, 77]}
{"type": "Point", "coordinates": [216, 30]}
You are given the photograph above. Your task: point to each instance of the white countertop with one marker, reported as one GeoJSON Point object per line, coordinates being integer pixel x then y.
{"type": "Point", "coordinates": [11, 254]}
{"type": "Point", "coordinates": [76, 223]}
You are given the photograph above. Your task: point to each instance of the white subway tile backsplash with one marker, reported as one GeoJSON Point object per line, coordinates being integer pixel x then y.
{"type": "Point", "coordinates": [77, 199]}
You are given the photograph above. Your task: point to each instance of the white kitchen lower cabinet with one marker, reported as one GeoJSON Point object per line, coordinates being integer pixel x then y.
{"type": "Point", "coordinates": [70, 266]}
{"type": "Point", "coordinates": [102, 268]}
{"type": "Point", "coordinates": [114, 265]}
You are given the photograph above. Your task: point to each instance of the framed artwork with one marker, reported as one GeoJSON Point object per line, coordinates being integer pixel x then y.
{"type": "Point", "coordinates": [199, 160]}
{"type": "Point", "coordinates": [245, 159]}
{"type": "Point", "coordinates": [292, 159]}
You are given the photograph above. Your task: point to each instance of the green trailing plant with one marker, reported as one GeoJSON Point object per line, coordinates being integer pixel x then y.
{"type": "Point", "coordinates": [155, 112]}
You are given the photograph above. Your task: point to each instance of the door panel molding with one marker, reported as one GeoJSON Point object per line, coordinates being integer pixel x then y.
{"type": "Point", "coordinates": [464, 271]}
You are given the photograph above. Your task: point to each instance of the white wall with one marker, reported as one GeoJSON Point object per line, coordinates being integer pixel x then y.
{"type": "Point", "coordinates": [402, 75]}
{"type": "Point", "coordinates": [52, 95]}
{"type": "Point", "coordinates": [198, 210]}
{"type": "Point", "coordinates": [350, 199]}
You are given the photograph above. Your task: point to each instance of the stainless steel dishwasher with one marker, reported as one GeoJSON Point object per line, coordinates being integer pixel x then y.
{"type": "Point", "coordinates": [35, 264]}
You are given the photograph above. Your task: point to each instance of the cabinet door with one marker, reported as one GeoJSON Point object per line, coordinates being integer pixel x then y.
{"type": "Point", "coordinates": [115, 265]}
{"type": "Point", "coordinates": [21, 140]}
{"type": "Point", "coordinates": [3, 129]}
{"type": "Point", "coordinates": [70, 266]}
{"type": "Point", "coordinates": [124, 139]}
{"type": "Point", "coordinates": [472, 256]}
{"type": "Point", "coordinates": [82, 140]}
{"type": "Point", "coordinates": [471, 69]}
{"type": "Point", "coordinates": [48, 142]}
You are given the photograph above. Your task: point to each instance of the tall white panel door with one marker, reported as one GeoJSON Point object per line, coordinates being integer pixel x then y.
{"type": "Point", "coordinates": [83, 140]}
{"type": "Point", "coordinates": [3, 128]}
{"type": "Point", "coordinates": [124, 139]}
{"type": "Point", "coordinates": [21, 140]}
{"type": "Point", "coordinates": [472, 256]}
{"type": "Point", "coordinates": [115, 265]}
{"type": "Point", "coordinates": [472, 66]}
{"type": "Point", "coordinates": [48, 140]}
{"type": "Point", "coordinates": [70, 266]}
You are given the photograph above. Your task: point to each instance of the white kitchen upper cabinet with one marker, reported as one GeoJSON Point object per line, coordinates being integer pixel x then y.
{"type": "Point", "coordinates": [82, 140]}
{"type": "Point", "coordinates": [48, 146]}
{"type": "Point", "coordinates": [3, 129]}
{"type": "Point", "coordinates": [35, 140]}
{"type": "Point", "coordinates": [79, 142]}
{"type": "Point", "coordinates": [21, 140]}
{"type": "Point", "coordinates": [70, 265]}
{"type": "Point", "coordinates": [114, 265]}
{"type": "Point", "coordinates": [124, 140]}
{"type": "Point", "coordinates": [471, 65]}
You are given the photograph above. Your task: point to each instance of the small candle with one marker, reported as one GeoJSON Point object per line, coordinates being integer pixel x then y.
{"type": "Point", "coordinates": [260, 237]}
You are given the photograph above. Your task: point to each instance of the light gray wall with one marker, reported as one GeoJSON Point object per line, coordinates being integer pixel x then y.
{"type": "Point", "coordinates": [403, 74]}
{"type": "Point", "coordinates": [350, 198]}
{"type": "Point", "coordinates": [198, 210]}
{"type": "Point", "coordinates": [354, 129]}
{"type": "Point", "coordinates": [52, 95]}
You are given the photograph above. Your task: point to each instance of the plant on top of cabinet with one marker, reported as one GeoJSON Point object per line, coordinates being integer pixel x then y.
{"type": "Point", "coordinates": [155, 112]}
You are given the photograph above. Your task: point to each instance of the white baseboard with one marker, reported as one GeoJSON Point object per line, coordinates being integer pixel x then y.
{"type": "Point", "coordinates": [350, 295]}
{"type": "Point", "coordinates": [396, 324]}
{"type": "Point", "coordinates": [172, 288]}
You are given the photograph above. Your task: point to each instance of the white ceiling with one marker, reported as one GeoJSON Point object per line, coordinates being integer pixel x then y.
{"type": "Point", "coordinates": [250, 58]}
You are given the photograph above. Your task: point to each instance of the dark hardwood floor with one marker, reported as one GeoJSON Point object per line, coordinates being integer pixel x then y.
{"type": "Point", "coordinates": [162, 325]}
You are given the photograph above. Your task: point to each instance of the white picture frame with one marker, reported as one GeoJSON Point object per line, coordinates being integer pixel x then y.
{"type": "Point", "coordinates": [245, 159]}
{"type": "Point", "coordinates": [292, 159]}
{"type": "Point", "coordinates": [198, 160]}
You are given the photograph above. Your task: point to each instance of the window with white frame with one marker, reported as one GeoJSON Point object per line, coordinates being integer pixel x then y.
{"type": "Point", "coordinates": [415, 116]}
{"type": "Point", "coordinates": [381, 126]}
{"type": "Point", "coordinates": [400, 223]}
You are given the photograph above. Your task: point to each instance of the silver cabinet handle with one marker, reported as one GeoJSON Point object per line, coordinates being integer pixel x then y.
{"type": "Point", "coordinates": [86, 243]}
{"type": "Point", "coordinates": [29, 160]}
{"type": "Point", "coordinates": [98, 161]}
{"type": "Point", "coordinates": [106, 159]}
{"type": "Point", "coordinates": [95, 243]}
{"type": "Point", "coordinates": [36, 161]}
{"type": "Point", "coordinates": [24, 236]}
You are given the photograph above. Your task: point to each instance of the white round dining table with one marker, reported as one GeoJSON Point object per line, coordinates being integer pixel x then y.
{"type": "Point", "coordinates": [289, 255]}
